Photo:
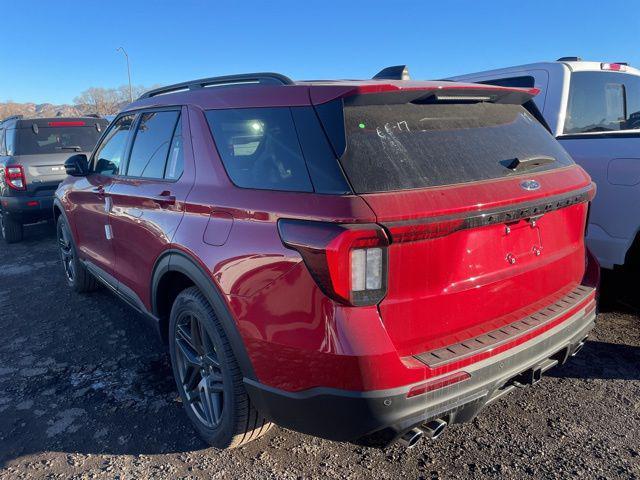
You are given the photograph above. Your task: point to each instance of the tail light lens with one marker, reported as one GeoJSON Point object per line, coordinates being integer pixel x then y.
{"type": "Point", "coordinates": [348, 262]}
{"type": "Point", "coordinates": [14, 177]}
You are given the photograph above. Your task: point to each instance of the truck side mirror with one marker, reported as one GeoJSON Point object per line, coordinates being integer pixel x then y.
{"type": "Point", "coordinates": [77, 165]}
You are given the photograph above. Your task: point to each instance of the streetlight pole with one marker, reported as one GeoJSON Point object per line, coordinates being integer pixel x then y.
{"type": "Point", "coordinates": [128, 72]}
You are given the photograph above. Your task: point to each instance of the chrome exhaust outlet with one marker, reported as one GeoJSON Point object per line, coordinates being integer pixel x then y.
{"type": "Point", "coordinates": [410, 438]}
{"type": "Point", "coordinates": [434, 428]}
{"type": "Point", "coordinates": [579, 347]}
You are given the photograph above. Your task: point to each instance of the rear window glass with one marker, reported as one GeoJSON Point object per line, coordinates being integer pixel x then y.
{"type": "Point", "coordinates": [55, 140]}
{"type": "Point", "coordinates": [404, 146]}
{"type": "Point", "coordinates": [260, 148]}
{"type": "Point", "coordinates": [603, 102]}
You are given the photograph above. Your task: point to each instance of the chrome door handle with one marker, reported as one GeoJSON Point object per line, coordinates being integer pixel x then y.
{"type": "Point", "coordinates": [165, 198]}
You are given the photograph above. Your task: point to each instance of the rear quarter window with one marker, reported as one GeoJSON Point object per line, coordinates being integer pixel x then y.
{"type": "Point", "coordinates": [259, 148]}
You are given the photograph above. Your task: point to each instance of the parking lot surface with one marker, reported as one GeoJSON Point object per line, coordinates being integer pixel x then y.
{"type": "Point", "coordinates": [86, 392]}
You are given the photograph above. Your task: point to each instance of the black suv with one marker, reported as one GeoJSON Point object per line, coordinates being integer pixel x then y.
{"type": "Point", "coordinates": [32, 156]}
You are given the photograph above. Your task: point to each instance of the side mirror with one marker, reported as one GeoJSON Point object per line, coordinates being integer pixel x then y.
{"type": "Point", "coordinates": [77, 165]}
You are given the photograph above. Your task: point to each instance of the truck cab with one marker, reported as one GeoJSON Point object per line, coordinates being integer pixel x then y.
{"type": "Point", "coordinates": [593, 109]}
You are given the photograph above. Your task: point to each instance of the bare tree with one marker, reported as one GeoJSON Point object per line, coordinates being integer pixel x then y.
{"type": "Point", "coordinates": [103, 101]}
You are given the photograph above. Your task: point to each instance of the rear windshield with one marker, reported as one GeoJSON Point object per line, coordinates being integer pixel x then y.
{"type": "Point", "coordinates": [603, 102]}
{"type": "Point", "coordinates": [404, 146]}
{"type": "Point", "coordinates": [55, 140]}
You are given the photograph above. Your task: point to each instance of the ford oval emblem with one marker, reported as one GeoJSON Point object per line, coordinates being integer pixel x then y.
{"type": "Point", "coordinates": [530, 185]}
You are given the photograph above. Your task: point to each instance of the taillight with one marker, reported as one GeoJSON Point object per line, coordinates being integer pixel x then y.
{"type": "Point", "coordinates": [14, 177]}
{"type": "Point", "coordinates": [348, 262]}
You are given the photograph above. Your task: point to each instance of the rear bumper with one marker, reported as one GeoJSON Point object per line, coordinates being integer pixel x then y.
{"type": "Point", "coordinates": [26, 210]}
{"type": "Point", "coordinates": [380, 417]}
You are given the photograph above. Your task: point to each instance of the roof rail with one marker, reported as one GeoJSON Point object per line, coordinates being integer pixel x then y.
{"type": "Point", "coordinates": [264, 78]}
{"type": "Point", "coordinates": [569, 59]}
{"type": "Point", "coordinates": [397, 72]}
{"type": "Point", "coordinates": [12, 117]}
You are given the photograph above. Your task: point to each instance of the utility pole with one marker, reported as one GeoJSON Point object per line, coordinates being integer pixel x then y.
{"type": "Point", "coordinates": [128, 72]}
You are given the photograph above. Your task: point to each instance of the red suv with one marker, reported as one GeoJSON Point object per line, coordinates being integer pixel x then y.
{"type": "Point", "coordinates": [363, 261]}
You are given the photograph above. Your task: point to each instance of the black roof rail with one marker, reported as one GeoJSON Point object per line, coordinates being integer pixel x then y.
{"type": "Point", "coordinates": [569, 59]}
{"type": "Point", "coordinates": [12, 117]}
{"type": "Point", "coordinates": [397, 72]}
{"type": "Point", "coordinates": [263, 78]}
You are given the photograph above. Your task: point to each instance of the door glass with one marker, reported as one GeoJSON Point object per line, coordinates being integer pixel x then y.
{"type": "Point", "coordinates": [151, 145]}
{"type": "Point", "coordinates": [175, 162]}
{"type": "Point", "coordinates": [109, 155]}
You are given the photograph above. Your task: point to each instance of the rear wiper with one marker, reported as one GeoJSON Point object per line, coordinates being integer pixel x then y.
{"type": "Point", "coordinates": [70, 147]}
{"type": "Point", "coordinates": [527, 163]}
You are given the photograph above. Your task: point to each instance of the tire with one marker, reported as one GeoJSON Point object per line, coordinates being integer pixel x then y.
{"type": "Point", "coordinates": [202, 360]}
{"type": "Point", "coordinates": [76, 274]}
{"type": "Point", "coordinates": [11, 230]}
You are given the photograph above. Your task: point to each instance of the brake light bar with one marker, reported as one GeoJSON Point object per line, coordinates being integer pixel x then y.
{"type": "Point", "coordinates": [14, 177]}
{"type": "Point", "coordinates": [66, 124]}
{"type": "Point", "coordinates": [347, 262]}
{"type": "Point", "coordinates": [615, 67]}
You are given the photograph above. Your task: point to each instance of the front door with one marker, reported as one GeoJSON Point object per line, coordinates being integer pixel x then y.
{"type": "Point", "coordinates": [91, 197]}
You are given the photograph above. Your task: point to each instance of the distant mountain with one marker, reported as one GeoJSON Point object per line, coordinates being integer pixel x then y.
{"type": "Point", "coordinates": [40, 110]}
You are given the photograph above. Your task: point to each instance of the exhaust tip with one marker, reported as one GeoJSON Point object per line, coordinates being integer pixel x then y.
{"type": "Point", "coordinates": [579, 347]}
{"type": "Point", "coordinates": [410, 438]}
{"type": "Point", "coordinates": [434, 428]}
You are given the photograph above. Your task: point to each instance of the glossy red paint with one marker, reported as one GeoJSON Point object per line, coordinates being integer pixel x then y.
{"type": "Point", "coordinates": [443, 287]}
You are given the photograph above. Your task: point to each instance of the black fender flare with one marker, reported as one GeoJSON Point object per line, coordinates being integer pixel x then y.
{"type": "Point", "coordinates": [178, 261]}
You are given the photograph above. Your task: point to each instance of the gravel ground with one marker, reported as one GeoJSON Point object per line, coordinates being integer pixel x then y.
{"type": "Point", "coordinates": [86, 392]}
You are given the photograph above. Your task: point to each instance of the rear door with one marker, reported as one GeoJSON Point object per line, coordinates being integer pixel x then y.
{"type": "Point", "coordinates": [485, 210]}
{"type": "Point", "coordinates": [602, 134]}
{"type": "Point", "coordinates": [148, 199]}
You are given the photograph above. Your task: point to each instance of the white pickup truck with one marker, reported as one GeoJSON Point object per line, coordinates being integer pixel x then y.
{"type": "Point", "coordinates": [593, 109]}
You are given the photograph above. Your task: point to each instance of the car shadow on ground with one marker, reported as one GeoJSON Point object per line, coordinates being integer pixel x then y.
{"type": "Point", "coordinates": [607, 361]}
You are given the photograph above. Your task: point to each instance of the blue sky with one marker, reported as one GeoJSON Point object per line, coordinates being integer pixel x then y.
{"type": "Point", "coordinates": [51, 51]}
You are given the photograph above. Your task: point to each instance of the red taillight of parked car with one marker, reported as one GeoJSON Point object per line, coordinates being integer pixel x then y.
{"type": "Point", "coordinates": [348, 262]}
{"type": "Point", "coordinates": [14, 177]}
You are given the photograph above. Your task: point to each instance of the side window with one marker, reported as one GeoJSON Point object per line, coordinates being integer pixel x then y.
{"type": "Point", "coordinates": [596, 103]}
{"type": "Point", "coordinates": [632, 91]}
{"type": "Point", "coordinates": [2, 149]}
{"type": "Point", "coordinates": [260, 149]}
{"type": "Point", "coordinates": [9, 141]}
{"type": "Point", "coordinates": [525, 81]}
{"type": "Point", "coordinates": [175, 161]}
{"type": "Point", "coordinates": [110, 153]}
{"type": "Point", "coordinates": [151, 144]}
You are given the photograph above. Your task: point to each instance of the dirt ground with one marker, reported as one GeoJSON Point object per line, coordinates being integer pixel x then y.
{"type": "Point", "coordinates": [86, 392]}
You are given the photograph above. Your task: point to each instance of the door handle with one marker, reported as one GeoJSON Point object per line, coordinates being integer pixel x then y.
{"type": "Point", "coordinates": [99, 191]}
{"type": "Point", "coordinates": [165, 198]}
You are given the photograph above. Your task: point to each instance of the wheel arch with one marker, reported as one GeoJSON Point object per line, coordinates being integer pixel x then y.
{"type": "Point", "coordinates": [177, 266]}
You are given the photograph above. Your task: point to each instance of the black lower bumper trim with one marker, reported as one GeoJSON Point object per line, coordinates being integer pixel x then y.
{"type": "Point", "coordinates": [380, 417]}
